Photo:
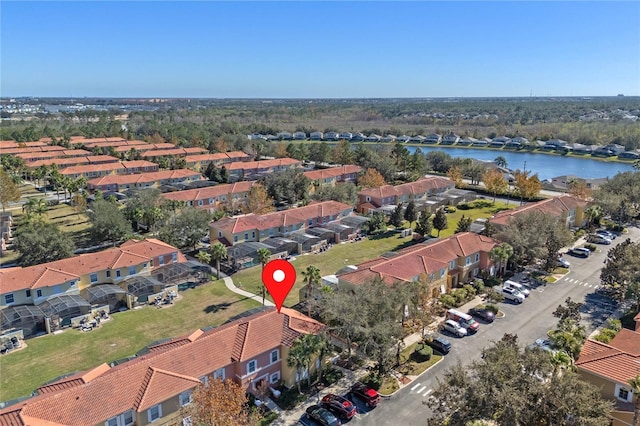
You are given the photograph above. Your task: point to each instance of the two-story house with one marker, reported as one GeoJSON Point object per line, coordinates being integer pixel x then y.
{"type": "Point", "coordinates": [251, 227]}
{"type": "Point", "coordinates": [567, 208]}
{"type": "Point", "coordinates": [90, 171]}
{"type": "Point", "coordinates": [153, 387]}
{"type": "Point", "coordinates": [373, 198]}
{"type": "Point", "coordinates": [119, 183]}
{"type": "Point", "coordinates": [610, 366]}
{"type": "Point", "coordinates": [442, 264]}
{"type": "Point", "coordinates": [333, 175]}
{"type": "Point", "coordinates": [213, 198]}
{"type": "Point", "coordinates": [433, 138]}
{"type": "Point", "coordinates": [450, 139]}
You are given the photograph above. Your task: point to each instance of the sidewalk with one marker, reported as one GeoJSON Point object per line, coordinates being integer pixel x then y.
{"type": "Point", "coordinates": [228, 282]}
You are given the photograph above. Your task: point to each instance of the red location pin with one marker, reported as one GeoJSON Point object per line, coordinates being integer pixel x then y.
{"type": "Point", "coordinates": [279, 276]}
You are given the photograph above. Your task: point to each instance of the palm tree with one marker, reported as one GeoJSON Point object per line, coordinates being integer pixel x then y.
{"type": "Point", "coordinates": [298, 358]}
{"type": "Point", "coordinates": [218, 253]}
{"type": "Point", "coordinates": [569, 337]}
{"type": "Point", "coordinates": [263, 257]}
{"type": "Point", "coordinates": [204, 257]}
{"type": "Point", "coordinates": [592, 215]}
{"type": "Point", "coordinates": [312, 278]}
{"type": "Point", "coordinates": [321, 347]}
{"type": "Point", "coordinates": [501, 254]}
{"type": "Point", "coordinates": [500, 161]}
{"type": "Point", "coordinates": [35, 206]}
{"type": "Point", "coordinates": [635, 387]}
{"type": "Point", "coordinates": [560, 360]}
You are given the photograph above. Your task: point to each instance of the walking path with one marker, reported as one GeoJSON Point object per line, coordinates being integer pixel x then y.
{"type": "Point", "coordinates": [228, 282]}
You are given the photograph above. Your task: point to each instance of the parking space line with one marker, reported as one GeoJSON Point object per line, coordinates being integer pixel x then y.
{"type": "Point", "coordinates": [428, 392]}
{"type": "Point", "coordinates": [421, 389]}
{"type": "Point", "coordinates": [415, 386]}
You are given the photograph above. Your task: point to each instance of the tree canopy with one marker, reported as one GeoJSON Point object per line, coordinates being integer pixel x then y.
{"type": "Point", "coordinates": [108, 222]}
{"type": "Point", "coordinates": [39, 242]}
{"type": "Point", "coordinates": [9, 192]}
{"type": "Point", "coordinates": [185, 228]}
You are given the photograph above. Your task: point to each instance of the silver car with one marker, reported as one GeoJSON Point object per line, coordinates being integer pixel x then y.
{"type": "Point", "coordinates": [513, 294]}
{"type": "Point", "coordinates": [454, 328]}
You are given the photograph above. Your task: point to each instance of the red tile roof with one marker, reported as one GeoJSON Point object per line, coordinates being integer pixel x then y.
{"type": "Point", "coordinates": [54, 154]}
{"type": "Point", "coordinates": [210, 191]}
{"type": "Point", "coordinates": [332, 172]}
{"type": "Point", "coordinates": [421, 186]}
{"type": "Point", "coordinates": [421, 259]}
{"type": "Point", "coordinates": [143, 178]}
{"type": "Point", "coordinates": [281, 218]}
{"type": "Point", "coordinates": [130, 253]}
{"type": "Point", "coordinates": [218, 156]}
{"type": "Point", "coordinates": [618, 361]}
{"type": "Point", "coordinates": [556, 206]}
{"type": "Point", "coordinates": [65, 162]}
{"type": "Point", "coordinates": [159, 375]}
{"type": "Point", "coordinates": [170, 152]}
{"type": "Point", "coordinates": [262, 164]}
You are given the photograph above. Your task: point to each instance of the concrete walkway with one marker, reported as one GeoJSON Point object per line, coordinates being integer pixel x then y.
{"type": "Point", "coordinates": [228, 282]}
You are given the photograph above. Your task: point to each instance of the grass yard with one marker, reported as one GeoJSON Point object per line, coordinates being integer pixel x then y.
{"type": "Point", "coordinates": [126, 333]}
{"type": "Point", "coordinates": [328, 262]}
{"type": "Point", "coordinates": [341, 255]}
{"type": "Point", "coordinates": [410, 367]}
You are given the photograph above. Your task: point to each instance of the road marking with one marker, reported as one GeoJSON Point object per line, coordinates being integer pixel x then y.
{"type": "Point", "coordinates": [590, 285]}
{"type": "Point", "coordinates": [415, 386]}
{"type": "Point", "coordinates": [567, 279]}
{"type": "Point", "coordinates": [421, 389]}
{"type": "Point", "coordinates": [428, 392]}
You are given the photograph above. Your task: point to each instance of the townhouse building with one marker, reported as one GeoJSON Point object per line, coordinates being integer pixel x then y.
{"type": "Point", "coordinates": [62, 163]}
{"type": "Point", "coordinates": [389, 195]}
{"type": "Point", "coordinates": [154, 386]}
{"type": "Point", "coordinates": [442, 264]}
{"type": "Point", "coordinates": [567, 208]}
{"type": "Point", "coordinates": [251, 227]}
{"type": "Point", "coordinates": [252, 170]}
{"type": "Point", "coordinates": [333, 175]}
{"type": "Point", "coordinates": [154, 154]}
{"type": "Point", "coordinates": [214, 198]}
{"type": "Point", "coordinates": [30, 157]}
{"type": "Point", "coordinates": [33, 285]}
{"type": "Point", "coordinates": [610, 366]}
{"type": "Point", "coordinates": [120, 168]}
{"type": "Point", "coordinates": [200, 162]}
{"type": "Point", "coordinates": [120, 183]}
{"type": "Point", "coordinates": [13, 144]}
{"type": "Point", "coordinates": [29, 149]}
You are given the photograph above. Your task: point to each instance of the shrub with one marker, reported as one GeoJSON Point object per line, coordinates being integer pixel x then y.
{"type": "Point", "coordinates": [331, 375]}
{"type": "Point", "coordinates": [580, 233]}
{"type": "Point", "coordinates": [373, 380]}
{"type": "Point", "coordinates": [471, 291]}
{"type": "Point", "coordinates": [492, 308]}
{"type": "Point", "coordinates": [464, 206]}
{"type": "Point", "coordinates": [480, 204]}
{"type": "Point", "coordinates": [478, 285]}
{"type": "Point", "coordinates": [448, 300]}
{"type": "Point", "coordinates": [605, 335]}
{"type": "Point", "coordinates": [460, 296]}
{"type": "Point", "coordinates": [613, 324]}
{"type": "Point", "coordinates": [591, 247]}
{"type": "Point", "coordinates": [422, 353]}
{"type": "Point", "coordinates": [492, 281]}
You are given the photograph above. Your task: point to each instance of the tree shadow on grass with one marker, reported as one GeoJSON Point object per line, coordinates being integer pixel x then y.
{"type": "Point", "coordinates": [212, 309]}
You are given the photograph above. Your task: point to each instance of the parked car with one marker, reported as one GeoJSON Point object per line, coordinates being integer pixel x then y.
{"type": "Point", "coordinates": [563, 263]}
{"type": "Point", "coordinates": [543, 344]}
{"type": "Point", "coordinates": [363, 392]}
{"type": "Point", "coordinates": [579, 252]}
{"type": "Point", "coordinates": [483, 313]}
{"type": "Point", "coordinates": [463, 319]}
{"type": "Point", "coordinates": [339, 405]}
{"type": "Point", "coordinates": [516, 285]}
{"type": "Point", "coordinates": [454, 327]}
{"type": "Point", "coordinates": [598, 239]}
{"type": "Point", "coordinates": [438, 343]}
{"type": "Point", "coordinates": [512, 294]}
{"type": "Point", "coordinates": [607, 234]}
{"type": "Point", "coordinates": [322, 416]}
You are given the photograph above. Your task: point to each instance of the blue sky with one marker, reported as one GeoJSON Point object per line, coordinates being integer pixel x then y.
{"type": "Point", "coordinates": [319, 49]}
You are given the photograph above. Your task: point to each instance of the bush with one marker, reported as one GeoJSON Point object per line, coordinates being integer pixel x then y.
{"type": "Point", "coordinates": [579, 233]}
{"type": "Point", "coordinates": [591, 247]}
{"type": "Point", "coordinates": [464, 206]}
{"type": "Point", "coordinates": [492, 308]}
{"type": "Point", "coordinates": [373, 380]}
{"type": "Point", "coordinates": [605, 335]}
{"type": "Point", "coordinates": [331, 375]}
{"type": "Point", "coordinates": [460, 296]}
{"type": "Point", "coordinates": [480, 204]}
{"type": "Point", "coordinates": [613, 324]}
{"type": "Point", "coordinates": [492, 281]}
{"type": "Point", "coordinates": [471, 291]}
{"type": "Point", "coordinates": [448, 300]}
{"type": "Point", "coordinates": [422, 353]}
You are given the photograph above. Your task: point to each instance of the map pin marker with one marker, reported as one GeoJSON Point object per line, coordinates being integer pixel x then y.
{"type": "Point", "coordinates": [279, 276]}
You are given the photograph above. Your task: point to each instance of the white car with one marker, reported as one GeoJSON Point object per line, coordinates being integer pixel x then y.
{"type": "Point", "coordinates": [454, 328]}
{"type": "Point", "coordinates": [512, 294]}
{"type": "Point", "coordinates": [516, 286]}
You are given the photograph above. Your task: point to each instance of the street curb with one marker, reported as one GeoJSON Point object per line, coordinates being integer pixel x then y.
{"type": "Point", "coordinates": [417, 377]}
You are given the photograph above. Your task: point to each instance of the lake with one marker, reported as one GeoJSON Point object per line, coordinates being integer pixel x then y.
{"type": "Point", "coordinates": [547, 166]}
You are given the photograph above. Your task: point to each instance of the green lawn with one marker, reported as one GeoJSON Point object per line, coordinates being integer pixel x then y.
{"type": "Point", "coordinates": [341, 255]}
{"type": "Point", "coordinates": [410, 367]}
{"type": "Point", "coordinates": [50, 356]}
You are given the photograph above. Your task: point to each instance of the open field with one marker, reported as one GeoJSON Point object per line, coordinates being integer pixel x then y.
{"type": "Point", "coordinates": [50, 356]}
{"type": "Point", "coordinates": [348, 253]}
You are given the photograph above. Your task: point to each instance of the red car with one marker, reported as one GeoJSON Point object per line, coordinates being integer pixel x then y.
{"type": "Point", "coordinates": [339, 405]}
{"type": "Point", "coordinates": [370, 396]}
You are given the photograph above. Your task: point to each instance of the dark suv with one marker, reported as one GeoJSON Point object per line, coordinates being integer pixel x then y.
{"type": "Point", "coordinates": [438, 343]}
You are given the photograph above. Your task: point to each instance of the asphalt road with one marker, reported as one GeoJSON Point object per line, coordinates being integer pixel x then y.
{"type": "Point", "coordinates": [530, 321]}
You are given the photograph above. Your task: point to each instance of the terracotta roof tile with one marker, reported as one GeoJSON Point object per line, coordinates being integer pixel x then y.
{"type": "Point", "coordinates": [210, 191]}
{"type": "Point", "coordinates": [619, 360]}
{"type": "Point", "coordinates": [143, 177]}
{"type": "Point", "coordinates": [262, 164]}
{"type": "Point", "coordinates": [153, 378]}
{"type": "Point", "coordinates": [421, 186]}
{"type": "Point", "coordinates": [332, 172]}
{"type": "Point", "coordinates": [555, 206]}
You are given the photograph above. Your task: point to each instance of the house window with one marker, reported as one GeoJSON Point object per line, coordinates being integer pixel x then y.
{"type": "Point", "coordinates": [154, 413]}
{"type": "Point", "coordinates": [252, 366]}
{"type": "Point", "coordinates": [108, 273]}
{"type": "Point", "coordinates": [246, 236]}
{"type": "Point", "coordinates": [174, 257]}
{"type": "Point", "coordinates": [57, 289]}
{"type": "Point", "coordinates": [302, 375]}
{"type": "Point", "coordinates": [117, 273]}
{"type": "Point", "coordinates": [253, 234]}
{"type": "Point", "coordinates": [452, 264]}
{"type": "Point", "coordinates": [467, 261]}
{"type": "Point", "coordinates": [235, 238]}
{"type": "Point", "coordinates": [275, 355]}
{"type": "Point", "coordinates": [8, 298]}
{"type": "Point", "coordinates": [210, 200]}
{"type": "Point", "coordinates": [185, 398]}
{"type": "Point", "coordinates": [200, 202]}
{"type": "Point", "coordinates": [132, 270]}
{"type": "Point", "coordinates": [28, 292]}
{"type": "Point", "coordinates": [161, 260]}
{"type": "Point", "coordinates": [38, 293]}
{"type": "Point", "coordinates": [93, 278]}
{"type": "Point", "coordinates": [368, 199]}
{"type": "Point", "coordinates": [218, 374]}
{"type": "Point", "coordinates": [144, 265]}
{"type": "Point", "coordinates": [219, 234]}
{"type": "Point", "coordinates": [442, 272]}
{"type": "Point", "coordinates": [623, 393]}
{"type": "Point", "coordinates": [113, 421]}
{"type": "Point", "coordinates": [274, 378]}
{"type": "Point", "coordinates": [477, 257]}
{"type": "Point", "coordinates": [310, 222]}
